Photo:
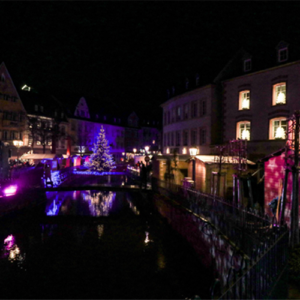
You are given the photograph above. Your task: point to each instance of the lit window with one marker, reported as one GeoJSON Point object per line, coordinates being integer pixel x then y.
{"type": "Point", "coordinates": [282, 54]}
{"type": "Point", "coordinates": [38, 143]}
{"type": "Point", "coordinates": [279, 93]}
{"type": "Point", "coordinates": [247, 65]}
{"type": "Point", "coordinates": [243, 130]}
{"type": "Point", "coordinates": [168, 151]}
{"type": "Point", "coordinates": [184, 151]}
{"type": "Point", "coordinates": [278, 128]}
{"type": "Point", "coordinates": [244, 100]}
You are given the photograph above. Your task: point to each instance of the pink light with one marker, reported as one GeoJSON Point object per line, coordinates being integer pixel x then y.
{"type": "Point", "coordinates": [9, 241]}
{"type": "Point", "coordinates": [11, 190]}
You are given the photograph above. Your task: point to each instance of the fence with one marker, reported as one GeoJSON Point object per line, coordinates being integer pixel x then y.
{"type": "Point", "coordinates": [259, 257]}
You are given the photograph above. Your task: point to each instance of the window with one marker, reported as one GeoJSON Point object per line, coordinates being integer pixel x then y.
{"type": "Point", "coordinates": [178, 117]}
{"type": "Point", "coordinates": [243, 130]}
{"type": "Point", "coordinates": [203, 108]}
{"type": "Point", "coordinates": [197, 79]}
{"type": "Point", "coordinates": [282, 54]}
{"type": "Point", "coordinates": [193, 137]}
{"type": "Point", "coordinates": [168, 120]}
{"type": "Point", "coordinates": [2, 77]}
{"type": "Point", "coordinates": [36, 108]}
{"type": "Point", "coordinates": [244, 100]}
{"type": "Point", "coordinates": [202, 136]}
{"type": "Point", "coordinates": [194, 109]}
{"type": "Point", "coordinates": [278, 128]}
{"type": "Point", "coordinates": [279, 93]}
{"type": "Point", "coordinates": [247, 65]}
{"type": "Point", "coordinates": [173, 115]}
{"type": "Point", "coordinates": [185, 138]}
{"type": "Point", "coordinates": [177, 138]}
{"type": "Point", "coordinates": [186, 111]}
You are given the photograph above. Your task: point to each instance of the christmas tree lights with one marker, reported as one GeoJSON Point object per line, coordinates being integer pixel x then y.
{"type": "Point", "coordinates": [101, 160]}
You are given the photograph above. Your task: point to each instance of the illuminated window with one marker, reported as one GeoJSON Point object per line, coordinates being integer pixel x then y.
{"type": "Point", "coordinates": [247, 65]}
{"type": "Point", "coordinates": [278, 128]}
{"type": "Point", "coordinates": [282, 54]}
{"type": "Point", "coordinates": [279, 93]}
{"type": "Point", "coordinates": [243, 130]}
{"type": "Point", "coordinates": [244, 100]}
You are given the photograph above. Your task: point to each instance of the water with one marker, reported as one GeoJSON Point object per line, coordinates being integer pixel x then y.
{"type": "Point", "coordinates": [101, 245]}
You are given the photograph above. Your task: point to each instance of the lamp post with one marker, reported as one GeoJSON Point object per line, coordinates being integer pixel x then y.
{"type": "Point", "coordinates": [18, 144]}
{"type": "Point", "coordinates": [193, 153]}
{"type": "Point", "coordinates": [147, 158]}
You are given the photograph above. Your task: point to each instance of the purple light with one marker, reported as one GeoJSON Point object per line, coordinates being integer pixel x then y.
{"type": "Point", "coordinates": [9, 242]}
{"type": "Point", "coordinates": [10, 191]}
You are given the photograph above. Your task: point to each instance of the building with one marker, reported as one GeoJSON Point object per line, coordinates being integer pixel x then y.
{"type": "Point", "coordinates": [191, 119]}
{"type": "Point", "coordinates": [12, 115]}
{"type": "Point", "coordinates": [261, 90]}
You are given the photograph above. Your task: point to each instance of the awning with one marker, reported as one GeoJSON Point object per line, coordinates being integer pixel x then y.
{"type": "Point", "coordinates": [39, 156]}
{"type": "Point", "coordinates": [213, 159]}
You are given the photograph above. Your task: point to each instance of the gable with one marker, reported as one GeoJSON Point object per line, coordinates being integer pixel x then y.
{"type": "Point", "coordinates": [9, 97]}
{"type": "Point", "coordinates": [82, 109]}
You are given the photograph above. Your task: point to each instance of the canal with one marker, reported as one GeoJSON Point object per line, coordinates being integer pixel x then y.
{"type": "Point", "coordinates": [97, 244]}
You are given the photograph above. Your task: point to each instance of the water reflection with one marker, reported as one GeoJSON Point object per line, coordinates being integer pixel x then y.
{"type": "Point", "coordinates": [12, 251]}
{"type": "Point", "coordinates": [92, 203]}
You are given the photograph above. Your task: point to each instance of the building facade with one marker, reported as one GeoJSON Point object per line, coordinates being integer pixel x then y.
{"type": "Point", "coordinates": [191, 119]}
{"type": "Point", "coordinates": [12, 115]}
{"type": "Point", "coordinates": [258, 103]}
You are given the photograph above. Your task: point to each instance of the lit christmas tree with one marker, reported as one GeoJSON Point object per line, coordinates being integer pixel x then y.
{"type": "Point", "coordinates": [101, 160]}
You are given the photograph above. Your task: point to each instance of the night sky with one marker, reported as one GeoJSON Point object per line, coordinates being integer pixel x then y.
{"type": "Point", "coordinates": [133, 51]}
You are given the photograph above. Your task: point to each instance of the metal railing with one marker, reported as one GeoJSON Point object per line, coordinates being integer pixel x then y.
{"type": "Point", "coordinates": [264, 246]}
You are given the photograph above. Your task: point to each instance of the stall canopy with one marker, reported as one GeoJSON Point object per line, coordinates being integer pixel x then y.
{"type": "Point", "coordinates": [40, 156]}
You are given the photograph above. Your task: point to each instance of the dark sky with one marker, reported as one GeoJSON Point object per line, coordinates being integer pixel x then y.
{"type": "Point", "coordinates": [133, 51]}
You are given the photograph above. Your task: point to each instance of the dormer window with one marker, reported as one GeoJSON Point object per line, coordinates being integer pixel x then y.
{"type": "Point", "coordinates": [282, 55]}
{"type": "Point", "coordinates": [197, 79]}
{"type": "Point", "coordinates": [36, 108]}
{"type": "Point", "coordinates": [247, 65]}
{"type": "Point", "coordinates": [2, 77]}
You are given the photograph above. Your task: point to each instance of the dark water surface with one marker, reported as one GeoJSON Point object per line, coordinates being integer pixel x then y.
{"type": "Point", "coordinates": [70, 253]}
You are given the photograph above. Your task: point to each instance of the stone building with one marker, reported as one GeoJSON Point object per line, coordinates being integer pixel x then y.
{"type": "Point", "coordinates": [259, 95]}
{"type": "Point", "coordinates": [12, 115]}
{"type": "Point", "coordinates": [191, 119]}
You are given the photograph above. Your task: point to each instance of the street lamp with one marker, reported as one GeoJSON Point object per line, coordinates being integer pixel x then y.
{"type": "Point", "coordinates": [193, 153]}
{"type": "Point", "coordinates": [147, 158]}
{"type": "Point", "coordinates": [18, 144]}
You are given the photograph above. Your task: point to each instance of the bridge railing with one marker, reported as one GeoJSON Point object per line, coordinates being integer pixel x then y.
{"type": "Point", "coordinates": [264, 244]}
{"type": "Point", "coordinates": [265, 277]}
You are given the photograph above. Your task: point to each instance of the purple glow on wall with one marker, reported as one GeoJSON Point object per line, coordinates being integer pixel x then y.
{"type": "Point", "coordinates": [10, 190]}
